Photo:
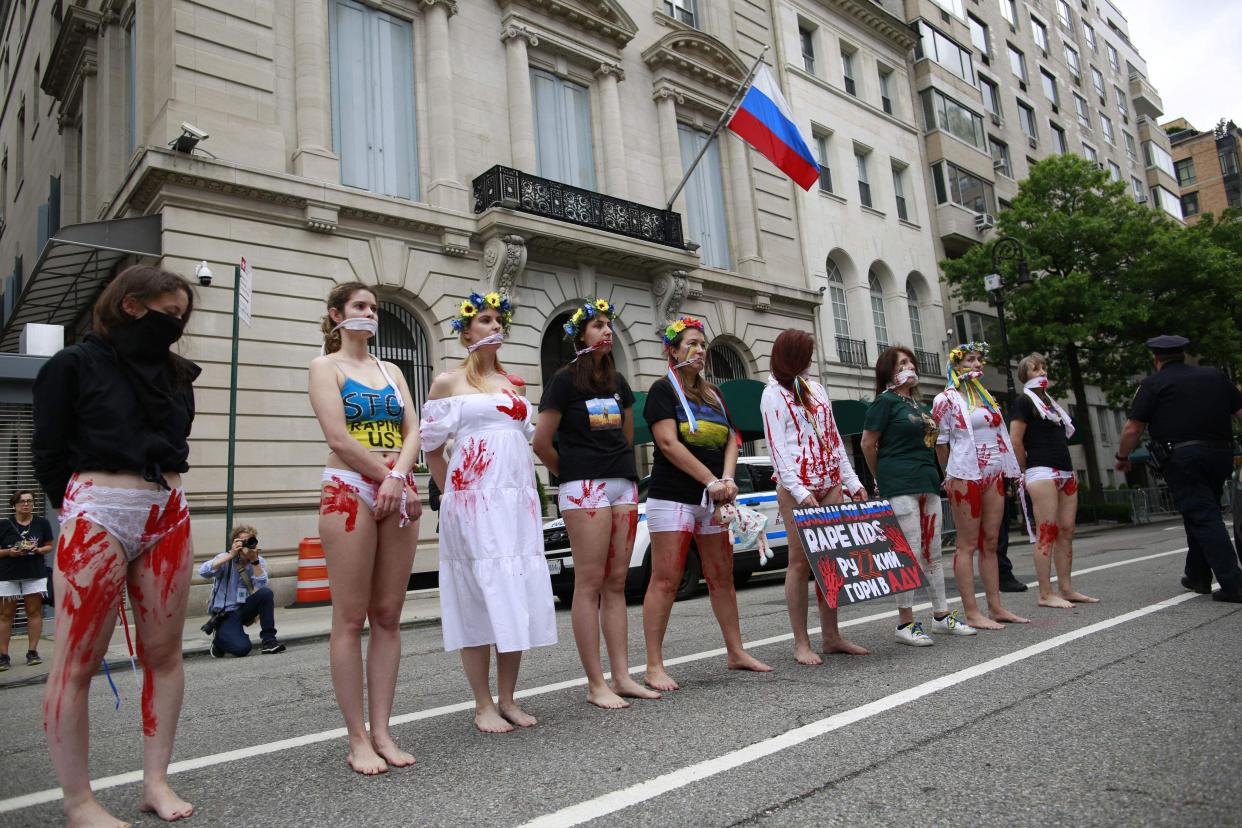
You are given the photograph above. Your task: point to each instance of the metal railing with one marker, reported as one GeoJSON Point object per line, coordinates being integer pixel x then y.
{"type": "Point", "coordinates": [516, 190]}
{"type": "Point", "coordinates": [929, 363]}
{"type": "Point", "coordinates": [852, 351]}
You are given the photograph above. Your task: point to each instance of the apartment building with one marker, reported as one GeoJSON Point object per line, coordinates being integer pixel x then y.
{"type": "Point", "coordinates": [1207, 167]}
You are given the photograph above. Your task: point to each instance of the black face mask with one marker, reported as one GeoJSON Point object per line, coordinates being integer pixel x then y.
{"type": "Point", "coordinates": [147, 337]}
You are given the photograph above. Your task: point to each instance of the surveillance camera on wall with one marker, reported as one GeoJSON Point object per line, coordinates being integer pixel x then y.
{"type": "Point", "coordinates": [193, 131]}
{"type": "Point", "coordinates": [203, 272]}
{"type": "Point", "coordinates": [823, 288]}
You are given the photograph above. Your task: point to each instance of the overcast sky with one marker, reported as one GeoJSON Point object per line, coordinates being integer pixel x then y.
{"type": "Point", "coordinates": [1193, 50]}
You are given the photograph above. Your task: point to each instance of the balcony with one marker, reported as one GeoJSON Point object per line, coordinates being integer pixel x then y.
{"type": "Point", "coordinates": [516, 190]}
{"type": "Point", "coordinates": [852, 352]}
{"type": "Point", "coordinates": [929, 363]}
{"type": "Point", "coordinates": [1146, 100]}
{"type": "Point", "coordinates": [957, 228]}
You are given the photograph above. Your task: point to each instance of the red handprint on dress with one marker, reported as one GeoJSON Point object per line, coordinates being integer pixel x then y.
{"type": "Point", "coordinates": [516, 408]}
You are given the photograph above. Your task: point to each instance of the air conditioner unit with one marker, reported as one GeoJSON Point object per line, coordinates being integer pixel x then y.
{"type": "Point", "coordinates": [1032, 142]}
{"type": "Point", "coordinates": [984, 221]}
{"type": "Point", "coordinates": [996, 119]}
{"type": "Point", "coordinates": [1141, 199]}
{"type": "Point", "coordinates": [998, 163]}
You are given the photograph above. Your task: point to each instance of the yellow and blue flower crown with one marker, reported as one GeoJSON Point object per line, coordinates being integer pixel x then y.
{"type": "Point", "coordinates": [672, 331]}
{"type": "Point", "coordinates": [959, 353]}
{"type": "Point", "coordinates": [475, 302]}
{"type": "Point", "coordinates": [585, 313]}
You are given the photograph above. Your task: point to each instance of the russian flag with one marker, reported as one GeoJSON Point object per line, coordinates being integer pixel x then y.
{"type": "Point", "coordinates": [764, 121]}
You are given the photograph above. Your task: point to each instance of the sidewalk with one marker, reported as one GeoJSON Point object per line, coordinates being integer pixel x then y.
{"type": "Point", "coordinates": [303, 624]}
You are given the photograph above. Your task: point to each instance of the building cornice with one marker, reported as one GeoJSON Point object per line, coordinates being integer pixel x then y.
{"type": "Point", "coordinates": [874, 18]}
{"type": "Point", "coordinates": [73, 51]}
{"type": "Point", "coordinates": [603, 19]}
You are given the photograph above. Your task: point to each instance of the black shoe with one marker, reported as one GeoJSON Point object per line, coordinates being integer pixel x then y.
{"type": "Point", "coordinates": [1012, 584]}
{"type": "Point", "coordinates": [1233, 596]}
{"type": "Point", "coordinates": [32, 658]}
{"type": "Point", "coordinates": [216, 652]}
{"type": "Point", "coordinates": [1201, 587]}
{"type": "Point", "coordinates": [4, 663]}
{"type": "Point", "coordinates": [272, 647]}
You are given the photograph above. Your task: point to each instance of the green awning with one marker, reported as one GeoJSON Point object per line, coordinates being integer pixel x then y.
{"type": "Point", "coordinates": [742, 397]}
{"type": "Point", "coordinates": [642, 432]}
{"type": "Point", "coordinates": [849, 415]}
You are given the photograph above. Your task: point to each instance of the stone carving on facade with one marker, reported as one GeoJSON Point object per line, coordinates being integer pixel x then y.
{"type": "Point", "coordinates": [322, 218]}
{"type": "Point", "coordinates": [669, 290]}
{"type": "Point", "coordinates": [450, 5]}
{"type": "Point", "coordinates": [504, 260]}
{"type": "Point", "coordinates": [512, 30]}
{"type": "Point", "coordinates": [610, 68]}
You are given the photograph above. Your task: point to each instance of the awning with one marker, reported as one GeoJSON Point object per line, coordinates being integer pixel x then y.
{"type": "Point", "coordinates": [74, 267]}
{"type": "Point", "coordinates": [849, 415]}
{"type": "Point", "coordinates": [742, 397]}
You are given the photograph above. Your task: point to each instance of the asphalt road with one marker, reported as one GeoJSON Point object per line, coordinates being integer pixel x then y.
{"type": "Point", "coordinates": [1126, 712]}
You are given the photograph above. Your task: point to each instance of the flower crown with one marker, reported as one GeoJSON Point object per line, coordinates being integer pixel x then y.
{"type": "Point", "coordinates": [585, 313]}
{"type": "Point", "coordinates": [671, 332]}
{"type": "Point", "coordinates": [959, 353]}
{"type": "Point", "coordinates": [475, 302]}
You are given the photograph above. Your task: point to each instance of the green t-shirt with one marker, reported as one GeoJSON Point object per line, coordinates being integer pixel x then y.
{"type": "Point", "coordinates": [907, 455]}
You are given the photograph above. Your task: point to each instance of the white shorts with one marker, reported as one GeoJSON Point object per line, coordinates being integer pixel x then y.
{"type": "Point", "coordinates": [597, 494]}
{"type": "Point", "coordinates": [671, 516]}
{"type": "Point", "coordinates": [16, 589]}
{"type": "Point", "coordinates": [1066, 481]}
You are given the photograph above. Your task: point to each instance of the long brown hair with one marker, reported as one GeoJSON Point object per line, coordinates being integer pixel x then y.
{"type": "Point", "coordinates": [144, 283]}
{"type": "Point", "coordinates": [791, 355]}
{"type": "Point", "coordinates": [886, 366]}
{"type": "Point", "coordinates": [592, 375]}
{"type": "Point", "coordinates": [699, 390]}
{"type": "Point", "coordinates": [338, 298]}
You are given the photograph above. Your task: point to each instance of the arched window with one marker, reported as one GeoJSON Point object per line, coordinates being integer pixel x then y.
{"type": "Point", "coordinates": [836, 296]}
{"type": "Point", "coordinates": [724, 363]}
{"type": "Point", "coordinates": [403, 342]}
{"type": "Point", "coordinates": [916, 319]}
{"type": "Point", "coordinates": [877, 311]}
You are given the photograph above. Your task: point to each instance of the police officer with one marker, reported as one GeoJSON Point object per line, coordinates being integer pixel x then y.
{"type": "Point", "coordinates": [1188, 408]}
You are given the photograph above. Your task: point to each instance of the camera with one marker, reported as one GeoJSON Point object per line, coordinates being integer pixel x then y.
{"type": "Point", "coordinates": [213, 622]}
{"type": "Point", "coordinates": [203, 272]}
{"type": "Point", "coordinates": [250, 542]}
{"type": "Point", "coordinates": [193, 131]}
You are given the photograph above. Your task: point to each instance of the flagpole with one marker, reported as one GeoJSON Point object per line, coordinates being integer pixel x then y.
{"type": "Point", "coordinates": [728, 111]}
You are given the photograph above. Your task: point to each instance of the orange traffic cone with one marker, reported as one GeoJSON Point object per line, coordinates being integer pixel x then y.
{"type": "Point", "coordinates": [313, 588]}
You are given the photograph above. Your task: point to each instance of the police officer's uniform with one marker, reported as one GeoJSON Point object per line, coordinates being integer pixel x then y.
{"type": "Point", "coordinates": [1189, 409]}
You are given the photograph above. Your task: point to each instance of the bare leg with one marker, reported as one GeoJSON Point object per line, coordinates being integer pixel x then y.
{"type": "Point", "coordinates": [8, 611]}
{"type": "Point", "coordinates": [1067, 520]}
{"type": "Point", "coordinates": [507, 666]}
{"type": "Point", "coordinates": [967, 503]}
{"type": "Point", "coordinates": [477, 662]}
{"type": "Point", "coordinates": [989, 571]}
{"type": "Point", "coordinates": [391, 574]}
{"type": "Point", "coordinates": [349, 548]}
{"type": "Point", "coordinates": [159, 584]}
{"type": "Point", "coordinates": [1044, 503]}
{"type": "Point", "coordinates": [89, 575]}
{"type": "Point", "coordinates": [668, 561]}
{"type": "Point", "coordinates": [613, 613]}
{"type": "Point", "coordinates": [590, 535]}
{"type": "Point", "coordinates": [34, 621]}
{"type": "Point", "coordinates": [716, 553]}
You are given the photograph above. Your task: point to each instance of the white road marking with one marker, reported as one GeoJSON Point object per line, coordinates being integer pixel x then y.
{"type": "Point", "coordinates": [641, 792]}
{"type": "Point", "coordinates": [30, 800]}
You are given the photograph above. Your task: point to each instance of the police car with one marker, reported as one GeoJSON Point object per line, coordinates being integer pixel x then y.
{"type": "Point", "coordinates": [756, 489]}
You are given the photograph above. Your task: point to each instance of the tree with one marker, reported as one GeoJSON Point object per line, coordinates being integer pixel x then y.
{"type": "Point", "coordinates": [1101, 263]}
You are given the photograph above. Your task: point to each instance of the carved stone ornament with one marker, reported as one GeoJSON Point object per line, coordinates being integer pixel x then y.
{"type": "Point", "coordinates": [504, 260]}
{"type": "Point", "coordinates": [449, 5]}
{"type": "Point", "coordinates": [513, 30]}
{"type": "Point", "coordinates": [669, 289]}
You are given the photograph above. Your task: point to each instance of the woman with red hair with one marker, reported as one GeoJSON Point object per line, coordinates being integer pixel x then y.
{"type": "Point", "coordinates": [812, 469]}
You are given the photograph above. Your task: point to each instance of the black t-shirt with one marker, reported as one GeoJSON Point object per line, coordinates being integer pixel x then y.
{"type": "Point", "coordinates": [590, 440]}
{"type": "Point", "coordinates": [1044, 441]}
{"type": "Point", "coordinates": [707, 443]}
{"type": "Point", "coordinates": [29, 566]}
{"type": "Point", "coordinates": [1183, 402]}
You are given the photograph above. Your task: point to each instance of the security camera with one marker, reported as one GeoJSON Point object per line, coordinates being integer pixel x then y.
{"type": "Point", "coordinates": [193, 131]}
{"type": "Point", "coordinates": [203, 272]}
{"type": "Point", "coordinates": [823, 288]}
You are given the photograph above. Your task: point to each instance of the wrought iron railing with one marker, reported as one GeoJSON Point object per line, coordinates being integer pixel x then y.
{"type": "Point", "coordinates": [929, 363]}
{"type": "Point", "coordinates": [516, 190]}
{"type": "Point", "coordinates": [852, 351]}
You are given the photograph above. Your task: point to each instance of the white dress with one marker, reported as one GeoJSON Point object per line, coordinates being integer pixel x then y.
{"type": "Point", "coordinates": [494, 582]}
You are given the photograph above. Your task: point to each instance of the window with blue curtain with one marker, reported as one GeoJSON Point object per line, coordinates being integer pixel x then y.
{"type": "Point", "coordinates": [564, 146]}
{"type": "Point", "coordinates": [705, 202]}
{"type": "Point", "coordinates": [373, 129]}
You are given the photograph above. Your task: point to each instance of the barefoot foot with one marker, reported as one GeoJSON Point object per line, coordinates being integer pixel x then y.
{"type": "Point", "coordinates": [490, 721]}
{"type": "Point", "coordinates": [363, 759]}
{"type": "Point", "coordinates": [657, 679]}
{"type": "Point", "coordinates": [981, 622]}
{"type": "Point", "coordinates": [745, 661]}
{"type": "Point", "coordinates": [1008, 617]}
{"type": "Point", "coordinates": [159, 799]}
{"type": "Point", "coordinates": [1055, 602]}
{"type": "Point", "coordinates": [1079, 598]}
{"type": "Point", "coordinates": [631, 689]}
{"type": "Point", "coordinates": [805, 655]}
{"type": "Point", "coordinates": [606, 698]}
{"type": "Point", "coordinates": [91, 813]}
{"type": "Point", "coordinates": [391, 753]}
{"type": "Point", "coordinates": [517, 715]}
{"type": "Point", "coordinates": [842, 645]}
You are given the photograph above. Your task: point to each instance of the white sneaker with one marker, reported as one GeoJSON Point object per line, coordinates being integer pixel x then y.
{"type": "Point", "coordinates": [950, 625]}
{"type": "Point", "coordinates": [913, 635]}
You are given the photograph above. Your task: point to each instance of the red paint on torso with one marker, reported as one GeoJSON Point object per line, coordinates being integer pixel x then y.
{"type": "Point", "coordinates": [516, 409]}
{"type": "Point", "coordinates": [475, 460]}
{"type": "Point", "coordinates": [339, 497]}
{"type": "Point", "coordinates": [515, 380]}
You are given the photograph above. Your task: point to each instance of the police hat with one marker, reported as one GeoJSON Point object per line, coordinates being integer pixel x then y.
{"type": "Point", "coordinates": [1167, 345]}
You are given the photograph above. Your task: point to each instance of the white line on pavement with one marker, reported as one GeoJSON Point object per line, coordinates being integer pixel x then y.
{"type": "Point", "coordinates": [641, 792]}
{"type": "Point", "coordinates": [30, 800]}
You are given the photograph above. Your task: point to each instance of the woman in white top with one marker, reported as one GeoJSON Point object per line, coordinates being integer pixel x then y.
{"type": "Point", "coordinates": [812, 469]}
{"type": "Point", "coordinates": [974, 448]}
{"type": "Point", "coordinates": [495, 590]}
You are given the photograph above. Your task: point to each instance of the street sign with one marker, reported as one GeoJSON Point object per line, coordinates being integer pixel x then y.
{"type": "Point", "coordinates": [857, 551]}
{"type": "Point", "coordinates": [992, 282]}
{"type": "Point", "coordinates": [243, 292]}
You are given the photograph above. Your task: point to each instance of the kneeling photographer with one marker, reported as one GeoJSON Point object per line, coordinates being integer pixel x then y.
{"type": "Point", "coordinates": [239, 596]}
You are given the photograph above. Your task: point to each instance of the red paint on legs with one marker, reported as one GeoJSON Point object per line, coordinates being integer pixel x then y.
{"type": "Point", "coordinates": [1048, 533]}
{"type": "Point", "coordinates": [972, 496]}
{"type": "Point", "coordinates": [339, 497]}
{"type": "Point", "coordinates": [927, 528]}
{"type": "Point", "coordinates": [149, 720]}
{"type": "Point", "coordinates": [171, 531]}
{"type": "Point", "coordinates": [1070, 486]}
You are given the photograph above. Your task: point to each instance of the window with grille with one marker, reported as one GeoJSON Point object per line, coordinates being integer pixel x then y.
{"type": "Point", "coordinates": [403, 342]}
